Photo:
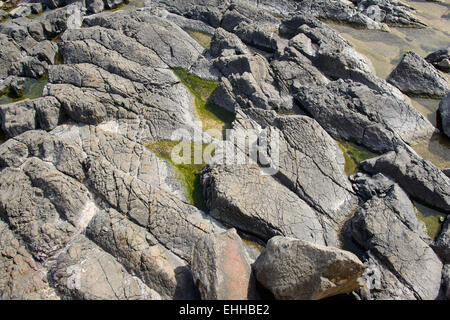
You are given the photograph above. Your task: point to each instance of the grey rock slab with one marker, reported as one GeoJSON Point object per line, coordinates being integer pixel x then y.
{"type": "Point", "coordinates": [21, 277]}
{"type": "Point", "coordinates": [418, 177]}
{"type": "Point", "coordinates": [415, 76]}
{"type": "Point", "coordinates": [378, 229]}
{"type": "Point", "coordinates": [354, 112]}
{"type": "Point", "coordinates": [84, 271]}
{"type": "Point", "coordinates": [244, 198]}
{"type": "Point", "coordinates": [440, 59]}
{"type": "Point", "coordinates": [31, 215]}
{"type": "Point", "coordinates": [142, 255]}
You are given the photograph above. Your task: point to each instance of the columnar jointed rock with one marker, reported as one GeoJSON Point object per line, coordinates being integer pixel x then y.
{"type": "Point", "coordinates": [298, 270]}
{"type": "Point", "coordinates": [221, 268]}
{"type": "Point", "coordinates": [415, 76]}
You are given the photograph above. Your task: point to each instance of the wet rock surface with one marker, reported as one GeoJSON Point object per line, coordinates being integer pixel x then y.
{"type": "Point", "coordinates": [87, 211]}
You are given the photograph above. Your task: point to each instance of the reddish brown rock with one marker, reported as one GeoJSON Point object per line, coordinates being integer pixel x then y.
{"type": "Point", "coordinates": [221, 267]}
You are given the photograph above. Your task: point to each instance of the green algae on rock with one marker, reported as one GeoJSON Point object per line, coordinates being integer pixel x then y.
{"type": "Point", "coordinates": [32, 89]}
{"type": "Point", "coordinates": [353, 155]}
{"type": "Point", "coordinates": [210, 115]}
{"type": "Point", "coordinates": [203, 39]}
{"type": "Point", "coordinates": [188, 172]}
{"type": "Point", "coordinates": [432, 219]}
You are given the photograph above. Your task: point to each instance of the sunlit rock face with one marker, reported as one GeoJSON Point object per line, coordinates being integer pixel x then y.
{"type": "Point", "coordinates": [299, 175]}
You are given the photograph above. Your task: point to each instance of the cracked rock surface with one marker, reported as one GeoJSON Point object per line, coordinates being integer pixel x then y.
{"type": "Point", "coordinates": [95, 92]}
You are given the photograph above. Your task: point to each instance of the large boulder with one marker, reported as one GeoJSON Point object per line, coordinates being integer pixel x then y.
{"type": "Point", "coordinates": [297, 270]}
{"type": "Point", "coordinates": [221, 268]}
{"type": "Point", "coordinates": [415, 76]}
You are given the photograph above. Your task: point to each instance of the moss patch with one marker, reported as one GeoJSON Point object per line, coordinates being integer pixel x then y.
{"type": "Point", "coordinates": [210, 115]}
{"type": "Point", "coordinates": [188, 174]}
{"type": "Point", "coordinates": [32, 90]}
{"type": "Point", "coordinates": [203, 39]}
{"type": "Point", "coordinates": [432, 219]}
{"type": "Point", "coordinates": [353, 155]}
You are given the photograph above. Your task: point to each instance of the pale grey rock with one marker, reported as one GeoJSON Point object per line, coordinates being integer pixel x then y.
{"type": "Point", "coordinates": [142, 255]}
{"type": "Point", "coordinates": [20, 11]}
{"type": "Point", "coordinates": [393, 13]}
{"type": "Point", "coordinates": [332, 54]}
{"type": "Point", "coordinates": [306, 160]}
{"type": "Point", "coordinates": [45, 51]}
{"type": "Point", "coordinates": [48, 112]}
{"type": "Point", "coordinates": [127, 83]}
{"type": "Point", "coordinates": [83, 271]}
{"type": "Point", "coordinates": [172, 44]}
{"type": "Point", "coordinates": [144, 190]}
{"type": "Point", "coordinates": [394, 197]}
{"type": "Point", "coordinates": [65, 157]}
{"type": "Point", "coordinates": [95, 6]}
{"type": "Point", "coordinates": [31, 215]}
{"type": "Point", "coordinates": [17, 117]}
{"type": "Point", "coordinates": [446, 280]}
{"type": "Point", "coordinates": [248, 83]}
{"type": "Point", "coordinates": [297, 270]}
{"type": "Point", "coordinates": [21, 277]}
